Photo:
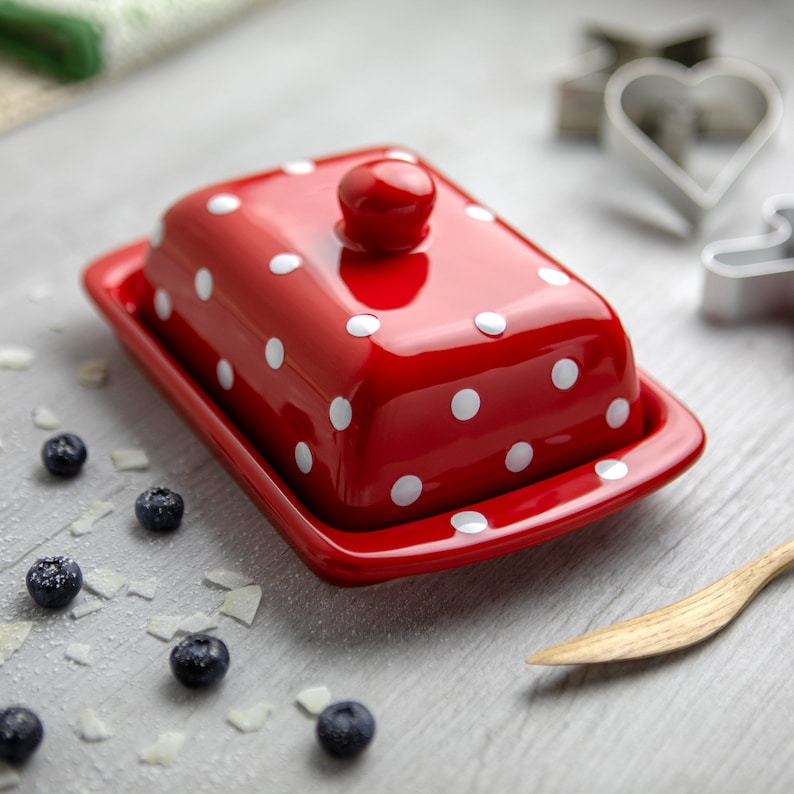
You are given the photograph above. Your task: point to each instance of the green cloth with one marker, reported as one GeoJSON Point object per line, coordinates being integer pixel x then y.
{"type": "Point", "coordinates": [54, 51]}
{"type": "Point", "coordinates": [67, 47]}
{"type": "Point", "coordinates": [79, 39]}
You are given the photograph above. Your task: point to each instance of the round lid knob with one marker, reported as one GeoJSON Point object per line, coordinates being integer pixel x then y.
{"type": "Point", "coordinates": [386, 205]}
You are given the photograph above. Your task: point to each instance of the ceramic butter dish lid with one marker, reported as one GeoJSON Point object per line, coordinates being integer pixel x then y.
{"type": "Point", "coordinates": [402, 381]}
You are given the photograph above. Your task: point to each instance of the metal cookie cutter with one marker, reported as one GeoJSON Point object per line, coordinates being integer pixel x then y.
{"type": "Point", "coordinates": [753, 277]}
{"type": "Point", "coordinates": [581, 94]}
{"type": "Point", "coordinates": [655, 109]}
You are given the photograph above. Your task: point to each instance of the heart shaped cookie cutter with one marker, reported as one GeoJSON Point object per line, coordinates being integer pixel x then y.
{"type": "Point", "coordinates": [581, 92]}
{"type": "Point", "coordinates": [753, 277]}
{"type": "Point", "coordinates": [654, 108]}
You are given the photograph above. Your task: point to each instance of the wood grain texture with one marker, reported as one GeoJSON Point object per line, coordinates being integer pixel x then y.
{"type": "Point", "coordinates": [438, 659]}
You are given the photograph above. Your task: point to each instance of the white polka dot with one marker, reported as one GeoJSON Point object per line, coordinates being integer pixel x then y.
{"type": "Point", "coordinates": [162, 303]}
{"type": "Point", "coordinates": [470, 522]}
{"type": "Point", "coordinates": [281, 264]}
{"type": "Point", "coordinates": [340, 413]}
{"type": "Point", "coordinates": [158, 234]}
{"type": "Point", "coordinates": [406, 490]}
{"type": "Point", "coordinates": [225, 374]}
{"type": "Point", "coordinates": [555, 277]}
{"type": "Point", "coordinates": [618, 413]}
{"type": "Point", "coordinates": [490, 323]}
{"type": "Point", "coordinates": [298, 167]}
{"type": "Point", "coordinates": [565, 373]}
{"type": "Point", "coordinates": [363, 325]}
{"type": "Point", "coordinates": [519, 456]}
{"type": "Point", "coordinates": [465, 404]}
{"type": "Point", "coordinates": [223, 204]}
{"type": "Point", "coordinates": [399, 154]}
{"type": "Point", "coordinates": [611, 469]}
{"type": "Point", "coordinates": [479, 213]}
{"type": "Point", "coordinates": [274, 352]}
{"type": "Point", "coordinates": [303, 457]}
{"type": "Point", "coordinates": [203, 282]}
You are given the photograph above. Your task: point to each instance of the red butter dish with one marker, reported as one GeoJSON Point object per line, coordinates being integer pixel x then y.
{"type": "Point", "coordinates": [401, 381]}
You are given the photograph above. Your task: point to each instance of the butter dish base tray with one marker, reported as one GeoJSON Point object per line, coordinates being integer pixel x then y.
{"type": "Point", "coordinates": [672, 439]}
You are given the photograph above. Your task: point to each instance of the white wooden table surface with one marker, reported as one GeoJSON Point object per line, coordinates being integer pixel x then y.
{"type": "Point", "coordinates": [438, 659]}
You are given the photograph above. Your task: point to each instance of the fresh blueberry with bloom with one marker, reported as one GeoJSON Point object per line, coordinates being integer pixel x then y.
{"type": "Point", "coordinates": [159, 509]}
{"type": "Point", "coordinates": [54, 581]}
{"type": "Point", "coordinates": [21, 732]}
{"type": "Point", "coordinates": [64, 454]}
{"type": "Point", "coordinates": [344, 729]}
{"type": "Point", "coordinates": [199, 660]}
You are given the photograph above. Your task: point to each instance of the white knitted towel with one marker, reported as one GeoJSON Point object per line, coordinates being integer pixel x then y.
{"type": "Point", "coordinates": [133, 33]}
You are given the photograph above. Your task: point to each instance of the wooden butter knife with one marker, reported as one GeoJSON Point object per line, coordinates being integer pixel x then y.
{"type": "Point", "coordinates": [678, 625]}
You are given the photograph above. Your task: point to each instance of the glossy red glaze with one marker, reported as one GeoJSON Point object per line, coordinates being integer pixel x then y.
{"type": "Point", "coordinates": [386, 205]}
{"type": "Point", "coordinates": [414, 408]}
{"type": "Point", "coordinates": [539, 450]}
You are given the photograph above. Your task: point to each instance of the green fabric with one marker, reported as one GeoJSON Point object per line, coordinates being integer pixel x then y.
{"type": "Point", "coordinates": [66, 46]}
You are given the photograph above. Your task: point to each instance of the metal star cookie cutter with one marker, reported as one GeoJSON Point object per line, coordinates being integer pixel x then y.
{"type": "Point", "coordinates": [753, 277]}
{"type": "Point", "coordinates": [581, 94]}
{"type": "Point", "coordinates": [720, 97]}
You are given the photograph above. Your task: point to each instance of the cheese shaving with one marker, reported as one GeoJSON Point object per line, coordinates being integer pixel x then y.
{"type": "Point", "coordinates": [16, 357]}
{"type": "Point", "coordinates": [9, 778]}
{"type": "Point", "coordinates": [93, 373]}
{"type": "Point", "coordinates": [44, 418]}
{"type": "Point", "coordinates": [314, 699]}
{"type": "Point", "coordinates": [87, 608]}
{"type": "Point", "coordinates": [90, 728]}
{"type": "Point", "coordinates": [129, 459]}
{"type": "Point", "coordinates": [165, 750]}
{"type": "Point", "coordinates": [79, 652]}
{"type": "Point", "coordinates": [231, 580]}
{"type": "Point", "coordinates": [145, 588]}
{"type": "Point", "coordinates": [250, 719]}
{"type": "Point", "coordinates": [197, 623]}
{"type": "Point", "coordinates": [12, 635]}
{"type": "Point", "coordinates": [164, 627]}
{"type": "Point", "coordinates": [243, 603]}
{"type": "Point", "coordinates": [104, 582]}
{"type": "Point", "coordinates": [85, 523]}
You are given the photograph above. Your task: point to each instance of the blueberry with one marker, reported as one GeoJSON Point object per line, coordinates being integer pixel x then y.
{"type": "Point", "coordinates": [344, 729]}
{"type": "Point", "coordinates": [199, 660]}
{"type": "Point", "coordinates": [54, 581]}
{"type": "Point", "coordinates": [21, 732]}
{"type": "Point", "coordinates": [64, 454]}
{"type": "Point", "coordinates": [159, 509]}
